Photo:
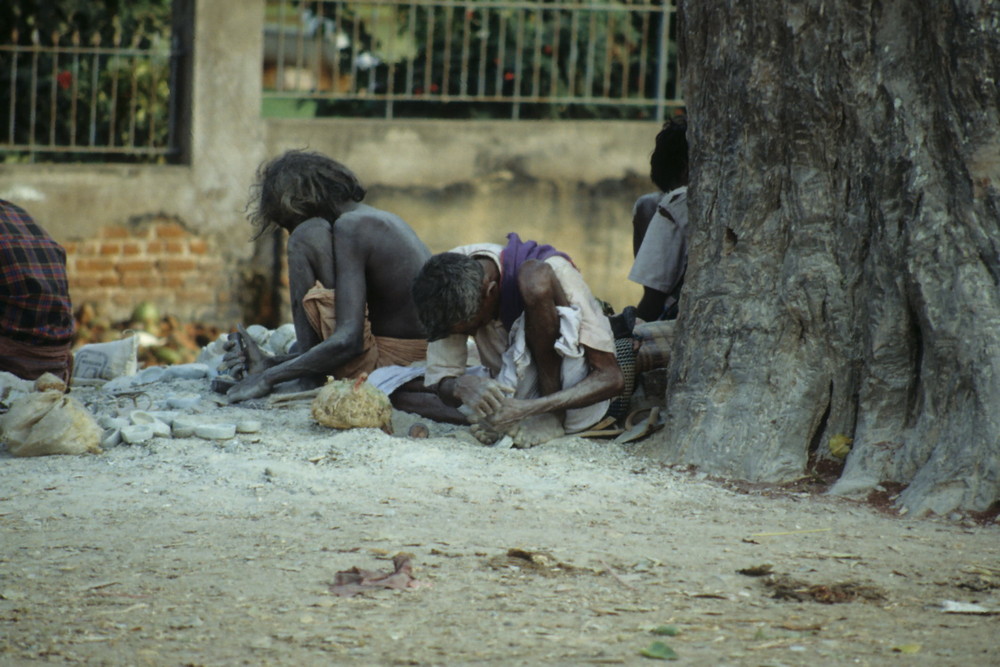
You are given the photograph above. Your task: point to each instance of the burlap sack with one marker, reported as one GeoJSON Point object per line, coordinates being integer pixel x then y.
{"type": "Point", "coordinates": [49, 422]}
{"type": "Point", "coordinates": [352, 404]}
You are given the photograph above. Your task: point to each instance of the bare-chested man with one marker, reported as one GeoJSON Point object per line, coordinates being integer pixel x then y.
{"type": "Point", "coordinates": [350, 267]}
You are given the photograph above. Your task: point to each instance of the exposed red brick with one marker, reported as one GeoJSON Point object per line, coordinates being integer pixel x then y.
{"type": "Point", "coordinates": [198, 246]}
{"type": "Point", "coordinates": [140, 279]}
{"type": "Point", "coordinates": [85, 280]}
{"type": "Point", "coordinates": [114, 233]}
{"type": "Point", "coordinates": [97, 264]}
{"type": "Point", "coordinates": [176, 264]}
{"type": "Point", "coordinates": [111, 249]}
{"type": "Point", "coordinates": [155, 247]}
{"type": "Point", "coordinates": [87, 249]}
{"type": "Point", "coordinates": [131, 248]}
{"type": "Point", "coordinates": [135, 265]}
{"type": "Point", "coordinates": [175, 247]}
{"type": "Point", "coordinates": [170, 230]}
{"type": "Point", "coordinates": [109, 280]}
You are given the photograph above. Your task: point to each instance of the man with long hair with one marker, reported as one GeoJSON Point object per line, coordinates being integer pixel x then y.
{"type": "Point", "coordinates": [350, 267]}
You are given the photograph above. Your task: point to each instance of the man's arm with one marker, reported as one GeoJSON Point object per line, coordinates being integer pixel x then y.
{"type": "Point", "coordinates": [651, 305]}
{"type": "Point", "coordinates": [344, 344]}
{"type": "Point", "coordinates": [604, 381]}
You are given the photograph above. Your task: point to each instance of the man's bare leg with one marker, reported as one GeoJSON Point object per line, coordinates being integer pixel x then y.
{"type": "Point", "coordinates": [414, 397]}
{"type": "Point", "coordinates": [541, 293]}
{"type": "Point", "coordinates": [310, 259]}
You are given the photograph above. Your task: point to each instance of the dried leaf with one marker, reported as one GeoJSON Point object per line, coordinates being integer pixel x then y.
{"type": "Point", "coordinates": [906, 648]}
{"type": "Point", "coordinates": [355, 581]}
{"type": "Point", "coordinates": [840, 445]}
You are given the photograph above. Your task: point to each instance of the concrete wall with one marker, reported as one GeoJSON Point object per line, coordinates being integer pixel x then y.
{"type": "Point", "coordinates": [570, 184]}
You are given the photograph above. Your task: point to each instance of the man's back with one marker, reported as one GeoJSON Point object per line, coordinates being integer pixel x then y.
{"type": "Point", "coordinates": [390, 255]}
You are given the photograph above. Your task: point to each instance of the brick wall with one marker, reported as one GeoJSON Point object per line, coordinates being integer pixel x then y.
{"type": "Point", "coordinates": [155, 259]}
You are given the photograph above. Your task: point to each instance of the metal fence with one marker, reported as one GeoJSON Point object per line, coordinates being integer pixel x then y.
{"type": "Point", "coordinates": [472, 58]}
{"type": "Point", "coordinates": [71, 95]}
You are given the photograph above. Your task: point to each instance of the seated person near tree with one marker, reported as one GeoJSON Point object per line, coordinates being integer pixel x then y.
{"type": "Point", "coordinates": [539, 332]}
{"type": "Point", "coordinates": [350, 267]}
{"type": "Point", "coordinates": [36, 315]}
{"type": "Point", "coordinates": [660, 226]}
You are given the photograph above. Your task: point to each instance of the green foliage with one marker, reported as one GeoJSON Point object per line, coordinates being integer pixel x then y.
{"type": "Point", "coordinates": [70, 91]}
{"type": "Point", "coordinates": [528, 58]}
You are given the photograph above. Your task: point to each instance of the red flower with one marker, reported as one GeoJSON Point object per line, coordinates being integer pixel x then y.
{"type": "Point", "coordinates": [508, 76]}
{"type": "Point", "coordinates": [64, 79]}
{"type": "Point", "coordinates": [434, 87]}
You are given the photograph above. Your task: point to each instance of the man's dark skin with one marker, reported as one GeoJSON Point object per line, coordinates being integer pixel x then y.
{"type": "Point", "coordinates": [541, 292]}
{"type": "Point", "coordinates": [370, 258]}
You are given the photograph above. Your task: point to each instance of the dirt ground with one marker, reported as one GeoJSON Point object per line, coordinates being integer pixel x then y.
{"type": "Point", "coordinates": [184, 551]}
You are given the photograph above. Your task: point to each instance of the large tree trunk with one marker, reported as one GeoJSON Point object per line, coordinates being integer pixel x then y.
{"type": "Point", "coordinates": [844, 271]}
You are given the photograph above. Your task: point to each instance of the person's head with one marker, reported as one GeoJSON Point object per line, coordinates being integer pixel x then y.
{"type": "Point", "coordinates": [300, 185]}
{"type": "Point", "coordinates": [668, 165]}
{"type": "Point", "coordinates": [449, 294]}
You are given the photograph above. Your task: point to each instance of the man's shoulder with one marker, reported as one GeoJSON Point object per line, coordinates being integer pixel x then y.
{"type": "Point", "coordinates": [479, 250]}
{"type": "Point", "coordinates": [369, 222]}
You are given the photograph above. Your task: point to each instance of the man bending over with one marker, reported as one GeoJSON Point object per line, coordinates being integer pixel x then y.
{"type": "Point", "coordinates": [350, 267]}
{"type": "Point", "coordinates": [539, 331]}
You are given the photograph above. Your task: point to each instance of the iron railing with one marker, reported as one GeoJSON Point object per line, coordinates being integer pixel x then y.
{"type": "Point", "coordinates": [471, 58]}
{"type": "Point", "coordinates": [72, 95]}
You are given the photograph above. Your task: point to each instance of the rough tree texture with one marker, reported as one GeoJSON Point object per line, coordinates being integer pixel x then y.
{"type": "Point", "coordinates": [844, 272]}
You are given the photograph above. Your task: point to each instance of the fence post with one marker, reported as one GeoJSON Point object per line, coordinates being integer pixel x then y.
{"type": "Point", "coordinates": [181, 80]}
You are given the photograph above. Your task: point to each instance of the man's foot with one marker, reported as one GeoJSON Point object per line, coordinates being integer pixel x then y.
{"type": "Point", "coordinates": [485, 433]}
{"type": "Point", "coordinates": [535, 430]}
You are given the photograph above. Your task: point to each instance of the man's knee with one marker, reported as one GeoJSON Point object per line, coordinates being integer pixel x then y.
{"type": "Point", "coordinates": [311, 236]}
{"type": "Point", "coordinates": [537, 283]}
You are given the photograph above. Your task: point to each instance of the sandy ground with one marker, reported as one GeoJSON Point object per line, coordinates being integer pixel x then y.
{"type": "Point", "coordinates": [184, 551]}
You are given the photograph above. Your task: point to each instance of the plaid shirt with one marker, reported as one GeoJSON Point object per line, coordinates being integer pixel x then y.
{"type": "Point", "coordinates": [34, 292]}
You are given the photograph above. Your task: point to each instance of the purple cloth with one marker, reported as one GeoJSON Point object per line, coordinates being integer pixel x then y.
{"type": "Point", "coordinates": [516, 253]}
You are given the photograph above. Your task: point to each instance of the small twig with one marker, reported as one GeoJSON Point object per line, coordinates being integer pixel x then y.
{"type": "Point", "coordinates": [792, 532]}
{"type": "Point", "coordinates": [617, 576]}
{"type": "Point", "coordinates": [294, 396]}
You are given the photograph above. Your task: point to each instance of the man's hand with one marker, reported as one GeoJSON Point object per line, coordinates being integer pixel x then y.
{"type": "Point", "coordinates": [484, 396]}
{"type": "Point", "coordinates": [234, 361]}
{"type": "Point", "coordinates": [254, 386]}
{"type": "Point", "coordinates": [510, 410]}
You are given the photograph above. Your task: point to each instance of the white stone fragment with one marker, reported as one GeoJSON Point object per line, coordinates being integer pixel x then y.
{"type": "Point", "coordinates": [183, 402]}
{"type": "Point", "coordinates": [184, 426]}
{"type": "Point", "coordinates": [111, 422]}
{"type": "Point", "coordinates": [248, 426]}
{"type": "Point", "coordinates": [193, 371]}
{"type": "Point", "coordinates": [281, 339]}
{"type": "Point", "coordinates": [136, 433]}
{"type": "Point", "coordinates": [215, 431]}
{"type": "Point", "coordinates": [111, 438]}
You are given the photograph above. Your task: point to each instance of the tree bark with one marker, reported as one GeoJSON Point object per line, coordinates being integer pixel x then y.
{"type": "Point", "coordinates": [844, 272]}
